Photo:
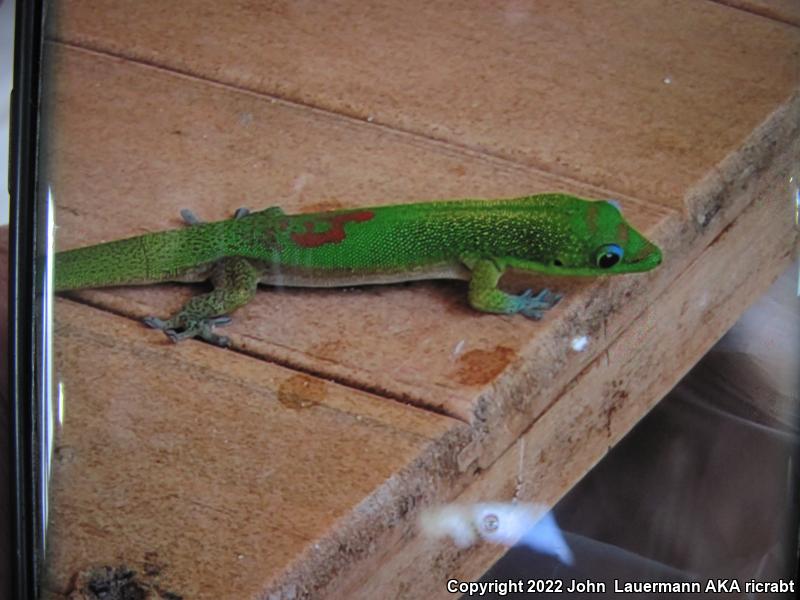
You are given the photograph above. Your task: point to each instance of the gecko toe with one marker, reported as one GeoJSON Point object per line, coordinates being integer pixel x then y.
{"type": "Point", "coordinates": [205, 331]}
{"type": "Point", "coordinates": [223, 320]}
{"type": "Point", "coordinates": [179, 336]}
{"type": "Point", "coordinates": [534, 306]}
{"type": "Point", "coordinates": [189, 217]}
{"type": "Point", "coordinates": [213, 338]}
{"type": "Point", "coordinates": [155, 323]}
{"type": "Point", "coordinates": [533, 313]}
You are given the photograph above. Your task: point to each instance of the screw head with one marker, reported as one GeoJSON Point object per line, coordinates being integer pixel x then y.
{"type": "Point", "coordinates": [491, 522]}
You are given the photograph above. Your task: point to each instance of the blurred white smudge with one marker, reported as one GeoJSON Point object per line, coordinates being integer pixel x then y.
{"type": "Point", "coordinates": [502, 523]}
{"type": "Point", "coordinates": [579, 343]}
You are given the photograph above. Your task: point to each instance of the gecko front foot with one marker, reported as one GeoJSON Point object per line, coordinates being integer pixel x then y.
{"type": "Point", "coordinates": [183, 330]}
{"type": "Point", "coordinates": [534, 306]}
{"type": "Point", "coordinates": [192, 219]}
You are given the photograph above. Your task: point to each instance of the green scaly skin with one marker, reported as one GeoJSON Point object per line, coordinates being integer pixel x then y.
{"type": "Point", "coordinates": [475, 240]}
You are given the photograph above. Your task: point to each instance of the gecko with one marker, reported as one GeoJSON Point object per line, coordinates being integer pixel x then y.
{"type": "Point", "coordinates": [477, 240]}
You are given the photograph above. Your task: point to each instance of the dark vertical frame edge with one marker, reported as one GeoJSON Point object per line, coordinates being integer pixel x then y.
{"type": "Point", "coordinates": [23, 285]}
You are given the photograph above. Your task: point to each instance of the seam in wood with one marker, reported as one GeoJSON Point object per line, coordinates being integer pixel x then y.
{"type": "Point", "coordinates": [291, 365]}
{"type": "Point", "coordinates": [764, 13]}
{"type": "Point", "coordinates": [441, 143]}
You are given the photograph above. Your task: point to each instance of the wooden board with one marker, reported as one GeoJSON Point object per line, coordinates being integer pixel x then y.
{"type": "Point", "coordinates": [436, 353]}
{"type": "Point", "coordinates": [210, 475]}
{"type": "Point", "coordinates": [421, 361]}
{"type": "Point", "coordinates": [337, 105]}
{"type": "Point", "coordinates": [787, 11]}
{"type": "Point", "coordinates": [639, 97]}
{"type": "Point", "coordinates": [613, 393]}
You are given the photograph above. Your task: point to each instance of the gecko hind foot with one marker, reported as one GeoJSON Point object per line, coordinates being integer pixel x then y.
{"type": "Point", "coordinates": [534, 306]}
{"type": "Point", "coordinates": [202, 329]}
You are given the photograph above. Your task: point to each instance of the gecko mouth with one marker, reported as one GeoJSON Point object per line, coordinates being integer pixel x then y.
{"type": "Point", "coordinates": [651, 258]}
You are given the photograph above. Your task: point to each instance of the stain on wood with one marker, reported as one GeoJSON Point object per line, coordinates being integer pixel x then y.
{"type": "Point", "coordinates": [301, 391]}
{"type": "Point", "coordinates": [480, 367]}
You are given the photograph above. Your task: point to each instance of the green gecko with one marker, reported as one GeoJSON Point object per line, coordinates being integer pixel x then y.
{"type": "Point", "coordinates": [473, 240]}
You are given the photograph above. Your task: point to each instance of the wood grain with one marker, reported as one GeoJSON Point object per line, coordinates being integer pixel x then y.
{"type": "Point", "coordinates": [298, 450]}
{"type": "Point", "coordinates": [639, 97]}
{"type": "Point", "coordinates": [787, 11]}
{"type": "Point", "coordinates": [435, 350]}
{"type": "Point", "coordinates": [222, 473]}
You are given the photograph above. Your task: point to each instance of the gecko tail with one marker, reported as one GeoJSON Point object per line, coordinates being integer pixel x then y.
{"type": "Point", "coordinates": [176, 255]}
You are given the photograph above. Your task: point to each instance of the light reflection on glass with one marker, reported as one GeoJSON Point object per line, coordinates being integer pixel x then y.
{"type": "Point", "coordinates": [60, 404]}
{"type": "Point", "coordinates": [796, 206]}
{"type": "Point", "coordinates": [506, 523]}
{"type": "Point", "coordinates": [47, 425]}
{"type": "Point", "coordinates": [579, 343]}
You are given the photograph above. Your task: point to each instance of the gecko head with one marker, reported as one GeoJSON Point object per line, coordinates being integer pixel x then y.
{"type": "Point", "coordinates": [603, 243]}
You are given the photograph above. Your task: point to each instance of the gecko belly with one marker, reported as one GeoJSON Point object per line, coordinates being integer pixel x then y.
{"type": "Point", "coordinates": [278, 275]}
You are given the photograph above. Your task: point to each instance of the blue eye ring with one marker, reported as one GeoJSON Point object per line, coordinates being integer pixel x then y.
{"type": "Point", "coordinates": [608, 255]}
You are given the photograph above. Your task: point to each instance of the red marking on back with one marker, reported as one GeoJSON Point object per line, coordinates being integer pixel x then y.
{"type": "Point", "coordinates": [335, 232]}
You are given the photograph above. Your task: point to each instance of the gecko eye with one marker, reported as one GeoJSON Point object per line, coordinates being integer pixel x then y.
{"type": "Point", "coordinates": [609, 255]}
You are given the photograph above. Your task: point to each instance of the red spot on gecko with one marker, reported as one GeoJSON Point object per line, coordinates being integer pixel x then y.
{"type": "Point", "coordinates": [334, 233]}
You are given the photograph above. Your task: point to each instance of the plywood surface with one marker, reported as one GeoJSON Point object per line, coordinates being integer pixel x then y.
{"type": "Point", "coordinates": [216, 473]}
{"type": "Point", "coordinates": [443, 364]}
{"type": "Point", "coordinates": [612, 393]}
{"type": "Point", "coordinates": [787, 11]}
{"type": "Point", "coordinates": [684, 111]}
{"type": "Point", "coordinates": [639, 97]}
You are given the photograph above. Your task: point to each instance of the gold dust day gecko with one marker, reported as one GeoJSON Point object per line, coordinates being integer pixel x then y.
{"type": "Point", "coordinates": [473, 240]}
